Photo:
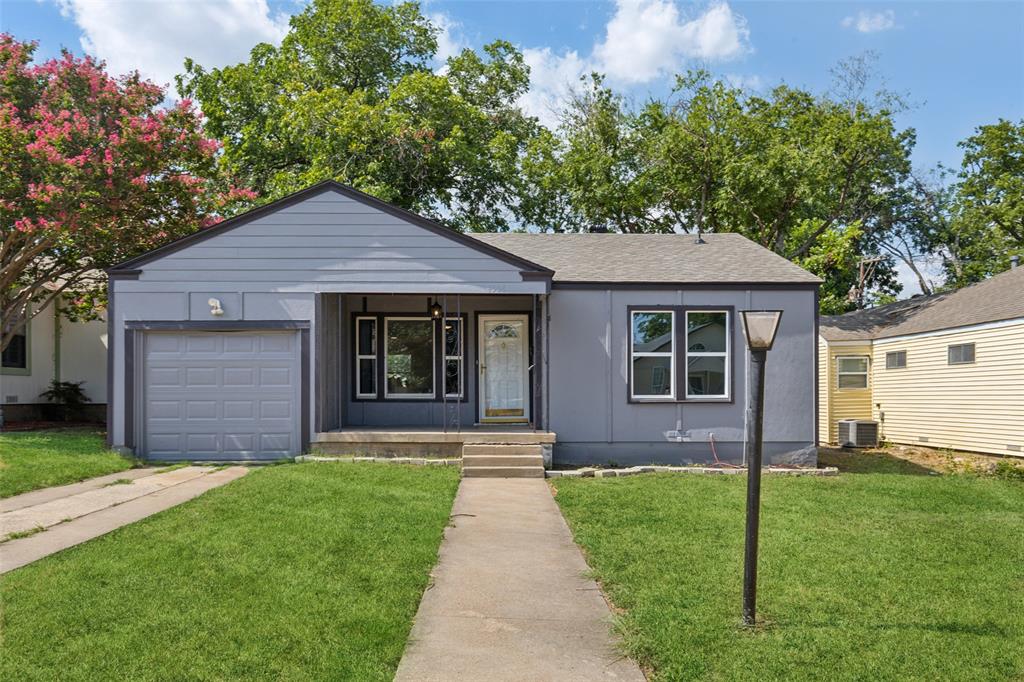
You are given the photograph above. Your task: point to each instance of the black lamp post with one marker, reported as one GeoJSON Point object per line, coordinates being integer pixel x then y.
{"type": "Point", "coordinates": [759, 328]}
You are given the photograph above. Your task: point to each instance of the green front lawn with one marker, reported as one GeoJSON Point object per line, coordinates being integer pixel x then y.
{"type": "Point", "coordinates": [39, 459]}
{"type": "Point", "coordinates": [293, 572]}
{"type": "Point", "coordinates": [882, 576]}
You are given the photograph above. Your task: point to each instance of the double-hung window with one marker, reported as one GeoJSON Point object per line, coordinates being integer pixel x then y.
{"type": "Point", "coordinates": [707, 353]}
{"type": "Point", "coordinates": [852, 371]}
{"type": "Point", "coordinates": [366, 357]}
{"type": "Point", "coordinates": [453, 354]}
{"type": "Point", "coordinates": [652, 354]}
{"type": "Point", "coordinates": [409, 357]}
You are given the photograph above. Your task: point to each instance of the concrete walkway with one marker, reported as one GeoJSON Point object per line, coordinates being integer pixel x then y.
{"type": "Point", "coordinates": [68, 515]}
{"type": "Point", "coordinates": [509, 599]}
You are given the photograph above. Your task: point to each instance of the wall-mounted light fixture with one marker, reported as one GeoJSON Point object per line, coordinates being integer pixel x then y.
{"type": "Point", "coordinates": [215, 308]}
{"type": "Point", "coordinates": [435, 309]}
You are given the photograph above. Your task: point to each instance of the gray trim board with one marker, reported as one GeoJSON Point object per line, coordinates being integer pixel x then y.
{"type": "Point", "coordinates": [110, 361]}
{"type": "Point", "coordinates": [817, 370]}
{"type": "Point", "coordinates": [687, 286]}
{"type": "Point", "coordinates": [537, 271]}
{"type": "Point", "coordinates": [131, 353]}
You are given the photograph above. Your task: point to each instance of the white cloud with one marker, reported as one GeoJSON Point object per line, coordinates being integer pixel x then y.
{"type": "Point", "coordinates": [155, 36]}
{"type": "Point", "coordinates": [552, 78]}
{"type": "Point", "coordinates": [647, 39]}
{"type": "Point", "coordinates": [644, 40]}
{"type": "Point", "coordinates": [871, 22]}
{"type": "Point", "coordinates": [449, 40]}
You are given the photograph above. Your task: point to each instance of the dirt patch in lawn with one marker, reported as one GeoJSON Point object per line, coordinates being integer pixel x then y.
{"type": "Point", "coordinates": [911, 459]}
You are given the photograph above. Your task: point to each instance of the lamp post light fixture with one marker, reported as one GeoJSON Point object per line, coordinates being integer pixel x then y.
{"type": "Point", "coordinates": [759, 329]}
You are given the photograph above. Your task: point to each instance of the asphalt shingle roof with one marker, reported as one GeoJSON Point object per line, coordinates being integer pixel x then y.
{"type": "Point", "coordinates": [1000, 297]}
{"type": "Point", "coordinates": [648, 258]}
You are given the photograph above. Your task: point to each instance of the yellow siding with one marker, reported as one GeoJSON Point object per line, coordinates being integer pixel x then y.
{"type": "Point", "coordinates": [847, 403]}
{"type": "Point", "coordinates": [978, 407]}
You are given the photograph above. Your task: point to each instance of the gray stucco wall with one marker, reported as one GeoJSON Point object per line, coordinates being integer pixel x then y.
{"type": "Point", "coordinates": [589, 403]}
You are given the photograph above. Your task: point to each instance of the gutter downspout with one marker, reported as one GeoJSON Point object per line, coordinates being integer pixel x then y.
{"type": "Point", "coordinates": [56, 340]}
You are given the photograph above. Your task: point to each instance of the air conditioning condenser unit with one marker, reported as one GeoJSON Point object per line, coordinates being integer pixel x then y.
{"type": "Point", "coordinates": [858, 433]}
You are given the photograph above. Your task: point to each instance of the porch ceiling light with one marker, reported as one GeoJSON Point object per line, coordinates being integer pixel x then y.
{"type": "Point", "coordinates": [760, 327]}
{"type": "Point", "coordinates": [435, 310]}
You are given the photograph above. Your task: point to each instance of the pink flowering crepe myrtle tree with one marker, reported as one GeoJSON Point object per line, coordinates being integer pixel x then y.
{"type": "Point", "coordinates": [93, 171]}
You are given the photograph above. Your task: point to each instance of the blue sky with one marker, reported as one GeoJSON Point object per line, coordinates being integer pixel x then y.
{"type": "Point", "coordinates": [961, 63]}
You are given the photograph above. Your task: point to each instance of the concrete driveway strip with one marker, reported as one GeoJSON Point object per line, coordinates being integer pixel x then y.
{"type": "Point", "coordinates": [71, 507]}
{"type": "Point", "coordinates": [17, 553]}
{"type": "Point", "coordinates": [35, 497]}
{"type": "Point", "coordinates": [509, 599]}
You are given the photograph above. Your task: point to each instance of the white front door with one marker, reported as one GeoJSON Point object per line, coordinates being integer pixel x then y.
{"type": "Point", "coordinates": [504, 368]}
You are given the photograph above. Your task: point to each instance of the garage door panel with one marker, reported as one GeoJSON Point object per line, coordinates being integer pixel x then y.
{"type": "Point", "coordinates": [221, 394]}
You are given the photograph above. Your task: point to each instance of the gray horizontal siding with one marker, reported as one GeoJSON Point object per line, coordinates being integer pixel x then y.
{"type": "Point", "coordinates": [332, 243]}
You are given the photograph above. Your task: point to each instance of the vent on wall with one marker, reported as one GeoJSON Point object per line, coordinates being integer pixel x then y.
{"type": "Point", "coordinates": [1015, 448]}
{"type": "Point", "coordinates": [11, 399]}
{"type": "Point", "coordinates": [858, 433]}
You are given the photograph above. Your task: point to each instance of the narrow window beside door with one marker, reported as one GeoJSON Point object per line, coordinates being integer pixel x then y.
{"type": "Point", "coordinates": [453, 350]}
{"type": "Point", "coordinates": [366, 357]}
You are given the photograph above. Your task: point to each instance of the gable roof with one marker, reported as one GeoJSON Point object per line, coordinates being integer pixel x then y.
{"type": "Point", "coordinates": [998, 298]}
{"type": "Point", "coordinates": [609, 258]}
{"type": "Point", "coordinates": [530, 268]}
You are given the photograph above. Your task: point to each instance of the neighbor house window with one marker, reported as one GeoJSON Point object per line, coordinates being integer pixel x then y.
{"type": "Point", "coordinates": [960, 354]}
{"type": "Point", "coordinates": [853, 372]}
{"type": "Point", "coordinates": [652, 349]}
{"type": "Point", "coordinates": [453, 350]}
{"type": "Point", "coordinates": [408, 357]}
{"type": "Point", "coordinates": [707, 354]}
{"type": "Point", "coordinates": [896, 359]}
{"type": "Point", "coordinates": [366, 357]}
{"type": "Point", "coordinates": [15, 356]}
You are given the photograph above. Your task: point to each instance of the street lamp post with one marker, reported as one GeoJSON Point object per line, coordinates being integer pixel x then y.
{"type": "Point", "coordinates": [759, 329]}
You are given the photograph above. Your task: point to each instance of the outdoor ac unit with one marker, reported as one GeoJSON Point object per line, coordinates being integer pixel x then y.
{"type": "Point", "coordinates": [858, 433]}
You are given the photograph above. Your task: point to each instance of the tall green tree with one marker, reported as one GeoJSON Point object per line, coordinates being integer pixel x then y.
{"type": "Point", "coordinates": [807, 176]}
{"type": "Point", "coordinates": [350, 95]}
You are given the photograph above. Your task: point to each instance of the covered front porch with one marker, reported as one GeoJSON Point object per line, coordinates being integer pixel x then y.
{"type": "Point", "coordinates": [424, 375]}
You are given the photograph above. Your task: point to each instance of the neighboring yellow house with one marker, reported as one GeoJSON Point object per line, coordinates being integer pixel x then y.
{"type": "Point", "coordinates": [943, 371]}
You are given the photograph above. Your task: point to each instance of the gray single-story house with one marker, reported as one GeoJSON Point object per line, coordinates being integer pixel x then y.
{"type": "Point", "coordinates": [330, 320]}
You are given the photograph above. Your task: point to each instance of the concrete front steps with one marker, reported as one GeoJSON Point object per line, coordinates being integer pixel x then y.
{"type": "Point", "coordinates": [502, 460]}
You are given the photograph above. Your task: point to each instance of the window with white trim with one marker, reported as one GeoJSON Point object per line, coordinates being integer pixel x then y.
{"type": "Point", "coordinates": [707, 353]}
{"type": "Point", "coordinates": [409, 357]}
{"type": "Point", "coordinates": [652, 354]}
{"type": "Point", "coordinates": [453, 354]}
{"type": "Point", "coordinates": [852, 372]}
{"type": "Point", "coordinates": [366, 357]}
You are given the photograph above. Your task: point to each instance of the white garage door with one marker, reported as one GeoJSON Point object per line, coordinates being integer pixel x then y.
{"type": "Point", "coordinates": [221, 395]}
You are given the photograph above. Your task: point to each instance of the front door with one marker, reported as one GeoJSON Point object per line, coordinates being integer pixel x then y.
{"type": "Point", "coordinates": [504, 368]}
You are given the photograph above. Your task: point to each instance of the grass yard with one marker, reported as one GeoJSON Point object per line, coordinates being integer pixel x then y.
{"type": "Point", "coordinates": [39, 459]}
{"type": "Point", "coordinates": [890, 573]}
{"type": "Point", "coordinates": [293, 572]}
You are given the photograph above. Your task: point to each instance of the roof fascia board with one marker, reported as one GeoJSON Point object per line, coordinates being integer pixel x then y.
{"type": "Point", "coordinates": [952, 330]}
{"type": "Point", "coordinates": [760, 286]}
